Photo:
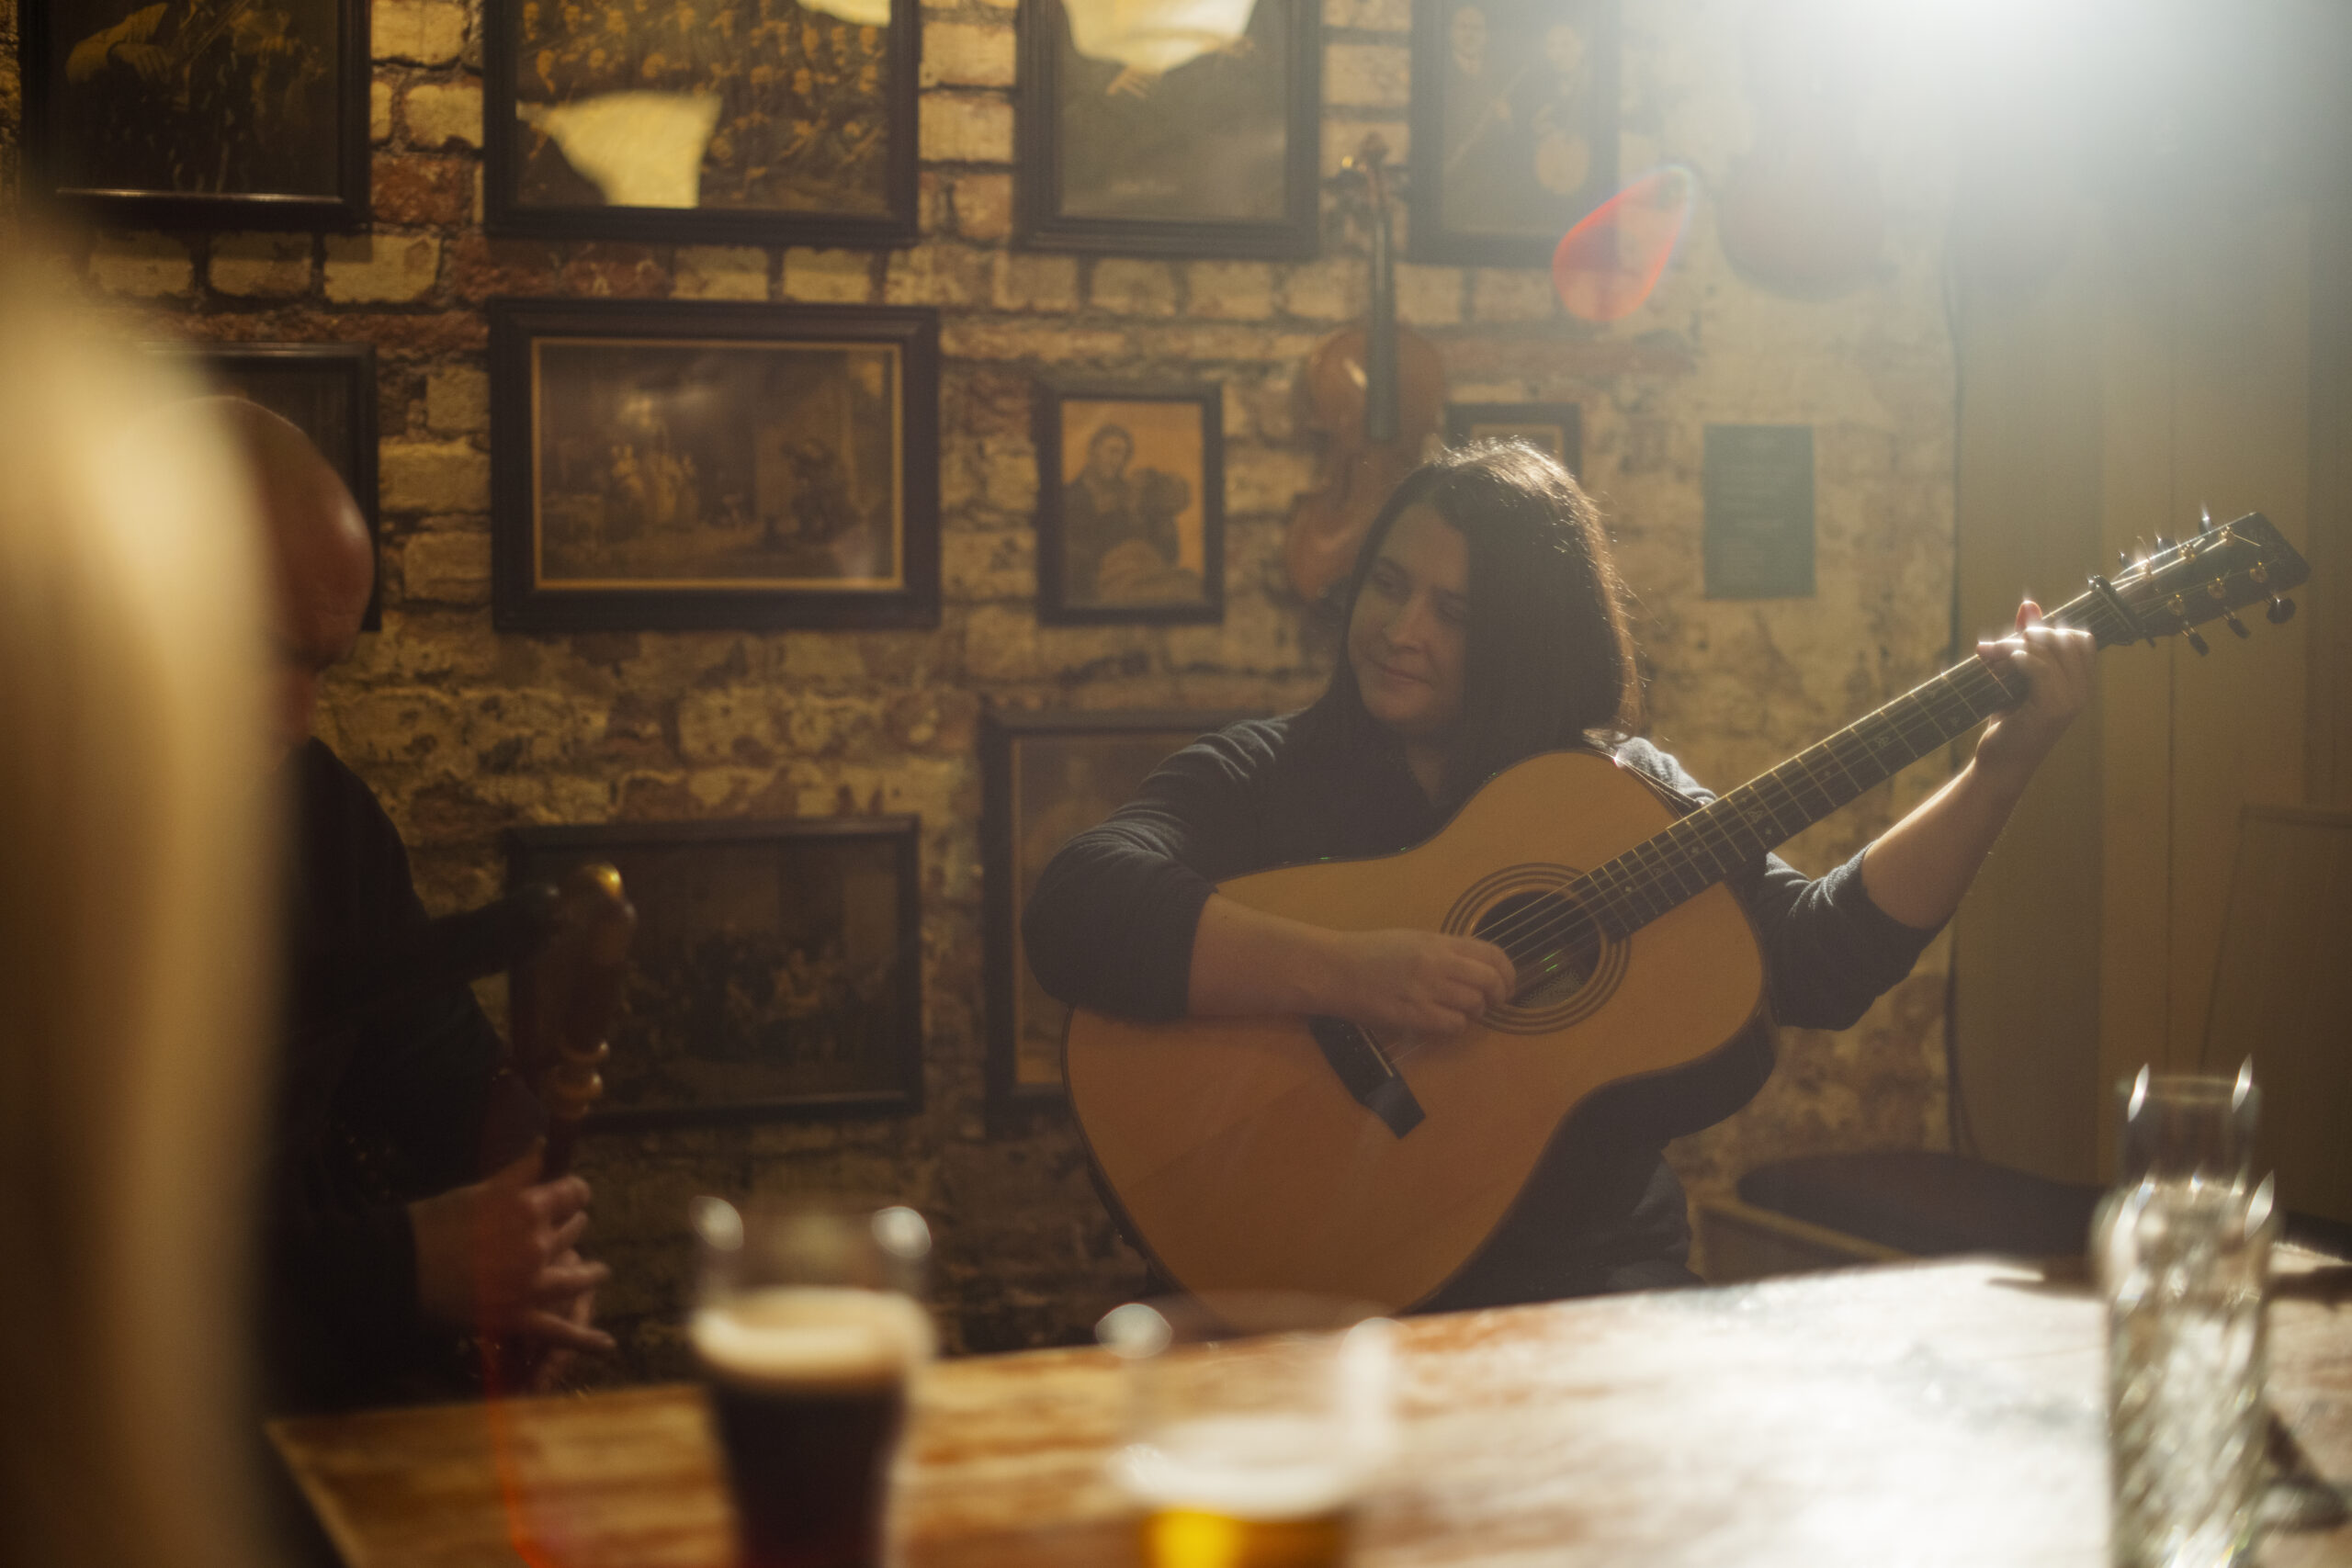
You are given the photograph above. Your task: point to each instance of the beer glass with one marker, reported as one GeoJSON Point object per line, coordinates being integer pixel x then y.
{"type": "Point", "coordinates": [2182, 1250]}
{"type": "Point", "coordinates": [807, 1328]}
{"type": "Point", "coordinates": [1250, 1451]}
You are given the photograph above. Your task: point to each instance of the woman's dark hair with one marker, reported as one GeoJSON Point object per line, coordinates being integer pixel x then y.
{"type": "Point", "coordinates": [1550, 659]}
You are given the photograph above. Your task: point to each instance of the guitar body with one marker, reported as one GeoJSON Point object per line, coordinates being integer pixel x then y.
{"type": "Point", "coordinates": [1244, 1162]}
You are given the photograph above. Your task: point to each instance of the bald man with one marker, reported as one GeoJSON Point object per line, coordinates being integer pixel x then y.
{"type": "Point", "coordinates": [406, 1209]}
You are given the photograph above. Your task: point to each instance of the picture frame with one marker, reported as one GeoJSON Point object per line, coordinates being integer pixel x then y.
{"type": "Point", "coordinates": [327, 390]}
{"type": "Point", "coordinates": [140, 115]}
{"type": "Point", "coordinates": [769, 122]}
{"type": "Point", "coordinates": [1130, 503]}
{"type": "Point", "coordinates": [1044, 778]}
{"type": "Point", "coordinates": [1514, 126]}
{"type": "Point", "coordinates": [1135, 148]}
{"type": "Point", "coordinates": [1556, 428]}
{"type": "Point", "coordinates": [668, 465]}
{"type": "Point", "coordinates": [776, 971]}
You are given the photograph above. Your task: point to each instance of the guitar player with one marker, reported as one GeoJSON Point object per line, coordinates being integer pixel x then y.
{"type": "Point", "coordinates": [1485, 622]}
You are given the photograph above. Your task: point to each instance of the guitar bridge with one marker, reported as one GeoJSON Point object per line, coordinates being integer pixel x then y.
{"type": "Point", "coordinates": [1366, 1073]}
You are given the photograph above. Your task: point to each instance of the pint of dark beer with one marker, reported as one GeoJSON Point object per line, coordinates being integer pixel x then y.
{"type": "Point", "coordinates": [807, 1349]}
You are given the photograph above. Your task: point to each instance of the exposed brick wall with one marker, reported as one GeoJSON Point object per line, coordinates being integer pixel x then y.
{"type": "Point", "coordinates": [464, 732]}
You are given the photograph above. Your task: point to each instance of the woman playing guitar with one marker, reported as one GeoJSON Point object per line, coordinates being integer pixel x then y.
{"type": "Point", "coordinates": [1486, 624]}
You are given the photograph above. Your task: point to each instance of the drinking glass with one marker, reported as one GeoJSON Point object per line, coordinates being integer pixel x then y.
{"type": "Point", "coordinates": [1250, 1451]}
{"type": "Point", "coordinates": [808, 1327]}
{"type": "Point", "coordinates": [2182, 1251]}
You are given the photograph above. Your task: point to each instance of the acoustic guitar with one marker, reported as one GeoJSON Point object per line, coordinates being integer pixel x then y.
{"type": "Point", "coordinates": [1309, 1154]}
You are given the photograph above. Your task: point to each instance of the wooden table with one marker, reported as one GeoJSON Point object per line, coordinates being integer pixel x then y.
{"type": "Point", "coordinates": [1945, 1412]}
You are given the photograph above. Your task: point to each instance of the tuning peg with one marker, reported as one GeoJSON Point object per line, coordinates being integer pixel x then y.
{"type": "Point", "coordinates": [2123, 560]}
{"type": "Point", "coordinates": [2204, 518]}
{"type": "Point", "coordinates": [2163, 542]}
{"type": "Point", "coordinates": [2229, 619]}
{"type": "Point", "coordinates": [2281, 611]}
{"type": "Point", "coordinates": [2197, 641]}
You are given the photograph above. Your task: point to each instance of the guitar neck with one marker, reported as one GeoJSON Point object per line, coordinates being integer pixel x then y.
{"type": "Point", "coordinates": [1738, 829]}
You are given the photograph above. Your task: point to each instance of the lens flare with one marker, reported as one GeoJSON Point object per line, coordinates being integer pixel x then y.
{"type": "Point", "coordinates": [1607, 265]}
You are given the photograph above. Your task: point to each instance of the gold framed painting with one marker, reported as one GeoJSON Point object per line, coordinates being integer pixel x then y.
{"type": "Point", "coordinates": [664, 466]}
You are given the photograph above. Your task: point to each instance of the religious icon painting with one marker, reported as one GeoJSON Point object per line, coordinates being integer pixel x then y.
{"type": "Point", "coordinates": [666, 466]}
{"type": "Point", "coordinates": [220, 114]}
{"type": "Point", "coordinates": [326, 390]}
{"type": "Point", "coordinates": [760, 121]}
{"type": "Point", "coordinates": [1514, 126]}
{"type": "Point", "coordinates": [775, 973]}
{"type": "Point", "coordinates": [1169, 127]}
{"type": "Point", "coordinates": [1130, 504]}
{"type": "Point", "coordinates": [1555, 429]}
{"type": "Point", "coordinates": [1047, 778]}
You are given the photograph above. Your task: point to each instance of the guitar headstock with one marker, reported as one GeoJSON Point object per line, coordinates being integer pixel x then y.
{"type": "Point", "coordinates": [2174, 588]}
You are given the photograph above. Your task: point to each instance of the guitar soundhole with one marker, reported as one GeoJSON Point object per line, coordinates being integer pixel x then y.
{"type": "Point", "coordinates": [1547, 936]}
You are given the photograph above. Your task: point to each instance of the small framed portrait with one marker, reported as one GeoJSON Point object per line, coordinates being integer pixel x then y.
{"type": "Point", "coordinates": [214, 113]}
{"type": "Point", "coordinates": [326, 390]}
{"type": "Point", "coordinates": [1147, 134]}
{"type": "Point", "coordinates": [1045, 779]}
{"type": "Point", "coordinates": [770, 122]}
{"type": "Point", "coordinates": [776, 971]}
{"type": "Point", "coordinates": [673, 466]}
{"type": "Point", "coordinates": [1130, 504]}
{"type": "Point", "coordinates": [1556, 428]}
{"type": "Point", "coordinates": [1514, 126]}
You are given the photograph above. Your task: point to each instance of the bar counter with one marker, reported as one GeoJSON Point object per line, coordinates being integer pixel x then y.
{"type": "Point", "coordinates": [1939, 1413]}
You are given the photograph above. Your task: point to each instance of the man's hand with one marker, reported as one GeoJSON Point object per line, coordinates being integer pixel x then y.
{"type": "Point", "coordinates": [499, 1257]}
{"type": "Point", "coordinates": [1423, 983]}
{"type": "Point", "coordinates": [2056, 663]}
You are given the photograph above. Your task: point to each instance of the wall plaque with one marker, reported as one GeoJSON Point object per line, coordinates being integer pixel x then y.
{"type": "Point", "coordinates": [1760, 511]}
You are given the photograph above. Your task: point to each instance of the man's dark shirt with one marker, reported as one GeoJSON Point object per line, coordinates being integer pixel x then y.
{"type": "Point", "coordinates": [382, 1097]}
{"type": "Point", "coordinates": [1110, 927]}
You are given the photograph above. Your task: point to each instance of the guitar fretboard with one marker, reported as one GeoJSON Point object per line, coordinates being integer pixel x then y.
{"type": "Point", "coordinates": [1738, 829]}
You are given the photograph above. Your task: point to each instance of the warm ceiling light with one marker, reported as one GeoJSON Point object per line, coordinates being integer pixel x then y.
{"type": "Point", "coordinates": [1155, 35]}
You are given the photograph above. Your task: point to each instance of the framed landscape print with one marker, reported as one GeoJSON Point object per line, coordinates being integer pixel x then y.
{"type": "Point", "coordinates": [1514, 126]}
{"type": "Point", "coordinates": [1556, 428]}
{"type": "Point", "coordinates": [224, 114]}
{"type": "Point", "coordinates": [325, 391]}
{"type": "Point", "coordinates": [1130, 504]}
{"type": "Point", "coordinates": [775, 122]}
{"type": "Point", "coordinates": [1046, 778]}
{"type": "Point", "coordinates": [671, 466]}
{"type": "Point", "coordinates": [1196, 140]}
{"type": "Point", "coordinates": [776, 970]}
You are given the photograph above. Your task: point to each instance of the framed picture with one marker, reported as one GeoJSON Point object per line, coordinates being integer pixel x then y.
{"type": "Point", "coordinates": [1046, 778]}
{"type": "Point", "coordinates": [776, 971]}
{"type": "Point", "coordinates": [1514, 126]}
{"type": "Point", "coordinates": [771, 122]}
{"type": "Point", "coordinates": [215, 114]}
{"type": "Point", "coordinates": [1556, 428]}
{"type": "Point", "coordinates": [665, 465]}
{"type": "Point", "coordinates": [325, 391]}
{"type": "Point", "coordinates": [1197, 138]}
{"type": "Point", "coordinates": [1130, 504]}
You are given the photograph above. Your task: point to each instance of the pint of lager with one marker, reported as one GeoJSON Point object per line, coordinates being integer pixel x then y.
{"type": "Point", "coordinates": [1250, 1451]}
{"type": "Point", "coordinates": [806, 1350]}
{"type": "Point", "coordinates": [1242, 1492]}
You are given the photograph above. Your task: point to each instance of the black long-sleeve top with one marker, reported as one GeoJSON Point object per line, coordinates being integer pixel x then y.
{"type": "Point", "coordinates": [1110, 927]}
{"type": "Point", "coordinates": [379, 1103]}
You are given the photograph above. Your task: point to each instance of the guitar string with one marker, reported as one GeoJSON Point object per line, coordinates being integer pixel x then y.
{"type": "Point", "coordinates": [1928, 707]}
{"type": "Point", "coordinates": [1712, 825]}
{"type": "Point", "coordinates": [1941, 707]}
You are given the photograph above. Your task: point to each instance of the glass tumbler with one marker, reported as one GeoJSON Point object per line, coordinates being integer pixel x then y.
{"type": "Point", "coordinates": [2182, 1250]}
